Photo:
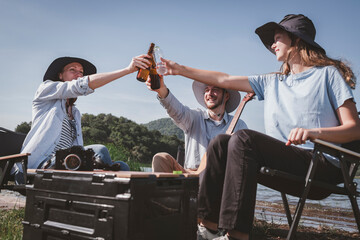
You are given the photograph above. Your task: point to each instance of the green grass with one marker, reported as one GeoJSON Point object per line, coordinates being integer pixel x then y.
{"type": "Point", "coordinates": [11, 227]}
{"type": "Point", "coordinates": [119, 154]}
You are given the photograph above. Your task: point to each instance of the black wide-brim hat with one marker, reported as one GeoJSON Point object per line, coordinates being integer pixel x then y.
{"type": "Point", "coordinates": [297, 24]}
{"type": "Point", "coordinates": [56, 67]}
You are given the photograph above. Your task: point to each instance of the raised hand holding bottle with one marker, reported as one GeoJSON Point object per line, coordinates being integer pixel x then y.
{"type": "Point", "coordinates": [143, 74]}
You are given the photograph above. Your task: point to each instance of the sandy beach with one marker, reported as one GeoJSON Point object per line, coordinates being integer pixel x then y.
{"type": "Point", "coordinates": [10, 200]}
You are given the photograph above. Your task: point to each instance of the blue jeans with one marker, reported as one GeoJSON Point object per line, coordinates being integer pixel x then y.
{"type": "Point", "coordinates": [103, 153]}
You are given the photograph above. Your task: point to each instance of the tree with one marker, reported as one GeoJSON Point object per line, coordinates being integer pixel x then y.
{"type": "Point", "coordinates": [166, 127]}
{"type": "Point", "coordinates": [23, 127]}
{"type": "Point", "coordinates": [133, 140]}
{"type": "Point", "coordinates": [128, 140]}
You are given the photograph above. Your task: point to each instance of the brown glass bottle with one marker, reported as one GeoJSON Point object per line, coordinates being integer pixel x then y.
{"type": "Point", "coordinates": [155, 79]}
{"type": "Point", "coordinates": [143, 74]}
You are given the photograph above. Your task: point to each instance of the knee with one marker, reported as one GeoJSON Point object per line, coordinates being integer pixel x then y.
{"type": "Point", "coordinates": [219, 141]}
{"type": "Point", "coordinates": [99, 148]}
{"type": "Point", "coordinates": [101, 152]}
{"type": "Point", "coordinates": [159, 159]}
{"type": "Point", "coordinates": [245, 133]}
{"type": "Point", "coordinates": [123, 166]}
{"type": "Point", "coordinates": [241, 137]}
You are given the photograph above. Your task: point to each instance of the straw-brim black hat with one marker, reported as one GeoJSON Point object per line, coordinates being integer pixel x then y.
{"type": "Point", "coordinates": [231, 104]}
{"type": "Point", "coordinates": [297, 24]}
{"type": "Point", "coordinates": [56, 67]}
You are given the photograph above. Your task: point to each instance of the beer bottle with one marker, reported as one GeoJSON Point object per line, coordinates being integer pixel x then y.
{"type": "Point", "coordinates": [155, 79]}
{"type": "Point", "coordinates": [143, 74]}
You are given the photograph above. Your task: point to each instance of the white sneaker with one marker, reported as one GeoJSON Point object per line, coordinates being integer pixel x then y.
{"type": "Point", "coordinates": [204, 234]}
{"type": "Point", "coordinates": [226, 237]}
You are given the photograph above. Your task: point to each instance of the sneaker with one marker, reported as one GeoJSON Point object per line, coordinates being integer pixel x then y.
{"type": "Point", "coordinates": [204, 234]}
{"type": "Point", "coordinates": [226, 237]}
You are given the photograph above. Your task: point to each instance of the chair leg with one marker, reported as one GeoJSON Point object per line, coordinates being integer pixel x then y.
{"type": "Point", "coordinates": [5, 172]}
{"type": "Point", "coordinates": [302, 199]}
{"type": "Point", "coordinates": [355, 208]}
{"type": "Point", "coordinates": [287, 209]}
{"type": "Point", "coordinates": [351, 187]}
{"type": "Point", "coordinates": [297, 216]}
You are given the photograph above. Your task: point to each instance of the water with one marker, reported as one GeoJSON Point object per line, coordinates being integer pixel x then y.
{"type": "Point", "coordinates": [161, 68]}
{"type": "Point", "coordinates": [146, 169]}
{"type": "Point", "coordinates": [337, 217]}
{"type": "Point", "coordinates": [333, 201]}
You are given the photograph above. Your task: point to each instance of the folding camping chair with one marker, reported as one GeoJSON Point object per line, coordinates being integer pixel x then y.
{"type": "Point", "coordinates": [308, 188]}
{"type": "Point", "coordinates": [10, 147]}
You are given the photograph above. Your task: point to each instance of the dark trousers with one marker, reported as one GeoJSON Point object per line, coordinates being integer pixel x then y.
{"type": "Point", "coordinates": [227, 192]}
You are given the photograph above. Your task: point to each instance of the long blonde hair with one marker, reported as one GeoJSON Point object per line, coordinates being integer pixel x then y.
{"type": "Point", "coordinates": [312, 56]}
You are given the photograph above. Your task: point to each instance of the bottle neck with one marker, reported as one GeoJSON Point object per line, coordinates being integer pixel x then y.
{"type": "Point", "coordinates": [150, 53]}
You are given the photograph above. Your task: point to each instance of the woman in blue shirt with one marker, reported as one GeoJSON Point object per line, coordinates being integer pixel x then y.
{"type": "Point", "coordinates": [56, 122]}
{"type": "Point", "coordinates": [311, 98]}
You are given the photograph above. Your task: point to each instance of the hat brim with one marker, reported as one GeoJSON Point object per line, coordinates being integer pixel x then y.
{"type": "Point", "coordinates": [231, 104]}
{"type": "Point", "coordinates": [52, 73]}
{"type": "Point", "coordinates": [267, 31]}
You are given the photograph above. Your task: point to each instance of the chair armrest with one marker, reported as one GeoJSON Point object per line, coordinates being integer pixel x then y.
{"type": "Point", "coordinates": [14, 156]}
{"type": "Point", "coordinates": [335, 147]}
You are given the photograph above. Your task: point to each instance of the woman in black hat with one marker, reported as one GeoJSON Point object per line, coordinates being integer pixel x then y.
{"type": "Point", "coordinates": [311, 98]}
{"type": "Point", "coordinates": [56, 122]}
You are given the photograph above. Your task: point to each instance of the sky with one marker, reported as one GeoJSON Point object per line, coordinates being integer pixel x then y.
{"type": "Point", "coordinates": [205, 34]}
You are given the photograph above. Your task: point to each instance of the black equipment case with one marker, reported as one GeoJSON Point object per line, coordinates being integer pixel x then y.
{"type": "Point", "coordinates": [110, 205]}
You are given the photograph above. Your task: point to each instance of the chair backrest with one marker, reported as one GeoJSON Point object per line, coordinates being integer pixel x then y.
{"type": "Point", "coordinates": [10, 142]}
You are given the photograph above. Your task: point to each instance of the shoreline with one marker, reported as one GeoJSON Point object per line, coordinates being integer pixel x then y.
{"type": "Point", "coordinates": [11, 200]}
{"type": "Point", "coordinates": [313, 216]}
{"type": "Point", "coordinates": [271, 222]}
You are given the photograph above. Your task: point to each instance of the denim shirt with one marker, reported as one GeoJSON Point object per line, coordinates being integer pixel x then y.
{"type": "Point", "coordinates": [198, 127]}
{"type": "Point", "coordinates": [48, 114]}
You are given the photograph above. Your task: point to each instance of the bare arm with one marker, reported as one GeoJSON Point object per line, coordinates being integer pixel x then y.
{"type": "Point", "coordinates": [349, 129]}
{"type": "Point", "coordinates": [100, 79]}
{"type": "Point", "coordinates": [223, 80]}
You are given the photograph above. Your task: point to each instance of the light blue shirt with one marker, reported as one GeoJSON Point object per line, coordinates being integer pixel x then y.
{"type": "Point", "coordinates": [48, 114]}
{"type": "Point", "coordinates": [198, 127]}
{"type": "Point", "coordinates": [305, 100]}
